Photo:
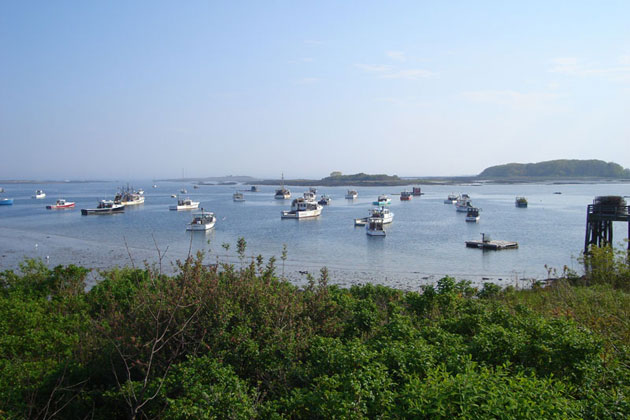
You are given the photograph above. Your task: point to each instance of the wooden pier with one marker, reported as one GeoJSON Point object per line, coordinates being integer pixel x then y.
{"type": "Point", "coordinates": [599, 222]}
{"type": "Point", "coordinates": [488, 244]}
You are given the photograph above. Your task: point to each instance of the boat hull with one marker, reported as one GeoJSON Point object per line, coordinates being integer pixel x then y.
{"type": "Point", "coordinates": [87, 212]}
{"type": "Point", "coordinates": [60, 207]}
{"type": "Point", "coordinates": [372, 232]}
{"type": "Point", "coordinates": [6, 201]}
{"type": "Point", "coordinates": [472, 219]}
{"type": "Point", "coordinates": [200, 227]}
{"type": "Point", "coordinates": [302, 214]}
{"type": "Point", "coordinates": [184, 207]}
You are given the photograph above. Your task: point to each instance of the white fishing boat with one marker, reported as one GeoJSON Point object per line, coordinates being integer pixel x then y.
{"type": "Point", "coordinates": [361, 221]}
{"type": "Point", "coordinates": [383, 213]}
{"type": "Point", "coordinates": [463, 203]}
{"type": "Point", "coordinates": [154, 185]}
{"type": "Point", "coordinates": [203, 221]}
{"type": "Point", "coordinates": [382, 200]}
{"type": "Point", "coordinates": [238, 196]}
{"type": "Point", "coordinates": [301, 209]}
{"type": "Point", "coordinates": [374, 227]}
{"type": "Point", "coordinates": [173, 195]}
{"type": "Point", "coordinates": [324, 200]}
{"type": "Point", "coordinates": [185, 204]}
{"type": "Point", "coordinates": [61, 204]}
{"type": "Point", "coordinates": [104, 207]}
{"type": "Point", "coordinates": [282, 193]}
{"type": "Point", "coordinates": [310, 196]}
{"type": "Point", "coordinates": [451, 199]}
{"type": "Point", "coordinates": [183, 191]}
{"type": "Point", "coordinates": [472, 215]}
{"type": "Point", "coordinates": [128, 197]}
{"type": "Point", "coordinates": [351, 195]}
{"type": "Point", "coordinates": [39, 194]}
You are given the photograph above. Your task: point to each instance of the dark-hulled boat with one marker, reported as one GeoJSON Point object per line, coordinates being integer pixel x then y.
{"type": "Point", "coordinates": [104, 207]}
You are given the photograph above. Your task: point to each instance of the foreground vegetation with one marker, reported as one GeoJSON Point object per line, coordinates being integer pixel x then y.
{"type": "Point", "coordinates": [239, 342]}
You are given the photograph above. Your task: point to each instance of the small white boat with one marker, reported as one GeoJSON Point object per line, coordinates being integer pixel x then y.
{"type": "Point", "coordinates": [472, 215]}
{"type": "Point", "coordinates": [238, 196]}
{"type": "Point", "coordinates": [351, 195]}
{"type": "Point", "coordinates": [154, 185]}
{"type": "Point", "coordinates": [104, 207]}
{"type": "Point", "coordinates": [301, 209]}
{"type": "Point", "coordinates": [382, 213]}
{"type": "Point", "coordinates": [310, 196]}
{"type": "Point", "coordinates": [183, 191]}
{"type": "Point", "coordinates": [39, 194]}
{"type": "Point", "coordinates": [325, 200]}
{"type": "Point", "coordinates": [61, 204]}
{"type": "Point", "coordinates": [382, 200]}
{"type": "Point", "coordinates": [374, 227]}
{"type": "Point", "coordinates": [173, 195]}
{"type": "Point", "coordinates": [463, 203]}
{"type": "Point", "coordinates": [203, 221]}
{"type": "Point", "coordinates": [361, 221]}
{"type": "Point", "coordinates": [282, 193]}
{"type": "Point", "coordinates": [128, 197]}
{"type": "Point", "coordinates": [451, 199]}
{"type": "Point", "coordinates": [185, 204]}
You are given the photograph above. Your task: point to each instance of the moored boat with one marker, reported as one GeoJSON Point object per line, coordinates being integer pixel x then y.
{"type": "Point", "coordinates": [39, 194]}
{"type": "Point", "coordinates": [301, 209]}
{"type": "Point", "coordinates": [383, 213]}
{"type": "Point", "coordinates": [104, 207]}
{"type": "Point", "coordinates": [351, 195]}
{"type": "Point", "coordinates": [282, 193]}
{"type": "Point", "coordinates": [472, 215]}
{"type": "Point", "coordinates": [520, 202]}
{"type": "Point", "coordinates": [185, 204]}
{"type": "Point", "coordinates": [417, 191]}
{"type": "Point", "coordinates": [127, 196]}
{"type": "Point", "coordinates": [61, 204]}
{"type": "Point", "coordinates": [238, 196]}
{"type": "Point", "coordinates": [462, 203]}
{"type": "Point", "coordinates": [382, 200]}
{"type": "Point", "coordinates": [253, 188]}
{"type": "Point", "coordinates": [310, 196]}
{"type": "Point", "coordinates": [374, 227]}
{"type": "Point", "coordinates": [325, 200]}
{"type": "Point", "coordinates": [406, 196]}
{"type": "Point", "coordinates": [451, 199]}
{"type": "Point", "coordinates": [202, 221]}
{"type": "Point", "coordinates": [6, 201]}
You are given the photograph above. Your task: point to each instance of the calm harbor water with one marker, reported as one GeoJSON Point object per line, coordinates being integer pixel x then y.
{"type": "Point", "coordinates": [424, 243]}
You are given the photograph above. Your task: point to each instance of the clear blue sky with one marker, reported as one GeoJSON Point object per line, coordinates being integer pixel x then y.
{"type": "Point", "coordinates": [143, 89]}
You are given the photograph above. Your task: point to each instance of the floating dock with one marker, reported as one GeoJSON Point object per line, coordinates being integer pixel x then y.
{"type": "Point", "coordinates": [492, 245]}
{"type": "Point", "coordinates": [487, 243]}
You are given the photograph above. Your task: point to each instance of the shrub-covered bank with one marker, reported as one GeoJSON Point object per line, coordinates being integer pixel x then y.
{"type": "Point", "coordinates": [241, 343]}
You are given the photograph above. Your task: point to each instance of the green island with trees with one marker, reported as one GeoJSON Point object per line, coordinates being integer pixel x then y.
{"type": "Point", "coordinates": [564, 170]}
{"type": "Point", "coordinates": [238, 341]}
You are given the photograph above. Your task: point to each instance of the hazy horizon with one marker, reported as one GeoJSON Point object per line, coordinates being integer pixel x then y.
{"type": "Point", "coordinates": [151, 90]}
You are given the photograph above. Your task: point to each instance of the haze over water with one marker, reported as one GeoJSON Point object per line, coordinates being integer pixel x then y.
{"type": "Point", "coordinates": [424, 243]}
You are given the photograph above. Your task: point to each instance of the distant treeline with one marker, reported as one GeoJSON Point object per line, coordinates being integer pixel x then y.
{"type": "Point", "coordinates": [561, 168]}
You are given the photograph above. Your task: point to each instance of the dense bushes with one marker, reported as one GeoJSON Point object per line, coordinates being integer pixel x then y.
{"type": "Point", "coordinates": [241, 343]}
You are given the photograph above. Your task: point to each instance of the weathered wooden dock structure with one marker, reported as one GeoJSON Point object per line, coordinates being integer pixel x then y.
{"type": "Point", "coordinates": [599, 220]}
{"type": "Point", "coordinates": [488, 244]}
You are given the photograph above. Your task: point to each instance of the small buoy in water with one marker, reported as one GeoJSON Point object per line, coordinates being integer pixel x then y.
{"type": "Point", "coordinates": [36, 245]}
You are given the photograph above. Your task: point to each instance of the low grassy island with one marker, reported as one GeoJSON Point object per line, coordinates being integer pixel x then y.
{"type": "Point", "coordinates": [225, 341]}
